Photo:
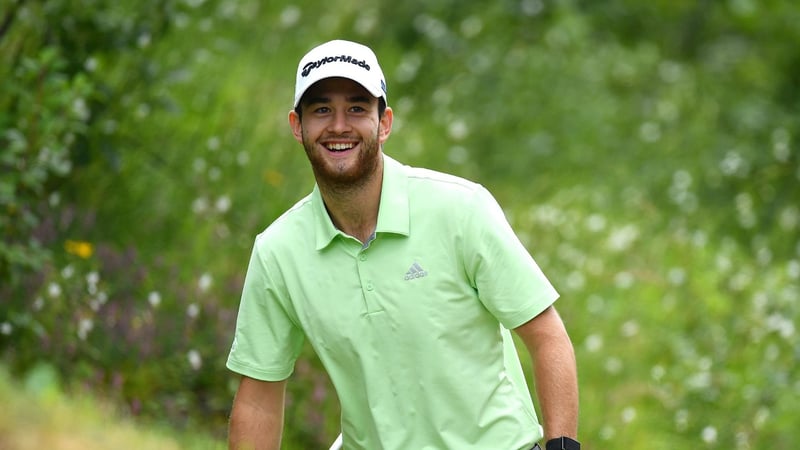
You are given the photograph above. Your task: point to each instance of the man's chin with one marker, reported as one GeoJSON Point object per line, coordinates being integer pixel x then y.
{"type": "Point", "coordinates": [343, 176]}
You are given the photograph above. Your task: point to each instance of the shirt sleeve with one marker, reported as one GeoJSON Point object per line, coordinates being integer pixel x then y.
{"type": "Point", "coordinates": [266, 342]}
{"type": "Point", "coordinates": [509, 282]}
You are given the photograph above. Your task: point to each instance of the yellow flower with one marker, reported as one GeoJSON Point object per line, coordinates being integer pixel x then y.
{"type": "Point", "coordinates": [81, 249]}
{"type": "Point", "coordinates": [273, 177]}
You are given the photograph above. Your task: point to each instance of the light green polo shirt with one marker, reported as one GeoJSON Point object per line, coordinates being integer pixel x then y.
{"type": "Point", "coordinates": [413, 328]}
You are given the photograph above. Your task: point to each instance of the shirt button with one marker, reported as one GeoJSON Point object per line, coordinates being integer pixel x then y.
{"type": "Point", "coordinates": [369, 285]}
{"type": "Point", "coordinates": [362, 257]}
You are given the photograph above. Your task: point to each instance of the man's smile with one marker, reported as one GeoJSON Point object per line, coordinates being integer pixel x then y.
{"type": "Point", "coordinates": [338, 147]}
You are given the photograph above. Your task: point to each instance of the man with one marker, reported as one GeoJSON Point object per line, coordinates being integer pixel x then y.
{"type": "Point", "coordinates": [406, 282]}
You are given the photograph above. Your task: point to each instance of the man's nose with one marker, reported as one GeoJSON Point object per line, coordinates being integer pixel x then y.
{"type": "Point", "coordinates": [339, 122]}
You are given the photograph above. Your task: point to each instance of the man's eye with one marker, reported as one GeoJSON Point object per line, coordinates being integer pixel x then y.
{"type": "Point", "coordinates": [357, 109]}
{"type": "Point", "coordinates": [322, 110]}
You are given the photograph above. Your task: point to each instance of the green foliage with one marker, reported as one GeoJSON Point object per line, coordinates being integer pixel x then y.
{"type": "Point", "coordinates": [44, 110]}
{"type": "Point", "coordinates": [58, 105]}
{"type": "Point", "coordinates": [645, 152]}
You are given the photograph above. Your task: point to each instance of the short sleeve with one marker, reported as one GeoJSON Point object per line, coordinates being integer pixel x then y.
{"type": "Point", "coordinates": [266, 342]}
{"type": "Point", "coordinates": [509, 282]}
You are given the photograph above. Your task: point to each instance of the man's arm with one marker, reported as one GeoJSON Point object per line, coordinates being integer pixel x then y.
{"type": "Point", "coordinates": [257, 415]}
{"type": "Point", "coordinates": [555, 372]}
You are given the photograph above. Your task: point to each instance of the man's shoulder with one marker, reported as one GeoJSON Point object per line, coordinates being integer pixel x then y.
{"type": "Point", "coordinates": [289, 224]}
{"type": "Point", "coordinates": [430, 181]}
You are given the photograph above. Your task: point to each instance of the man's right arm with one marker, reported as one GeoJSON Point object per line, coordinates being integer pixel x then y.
{"type": "Point", "coordinates": [257, 415]}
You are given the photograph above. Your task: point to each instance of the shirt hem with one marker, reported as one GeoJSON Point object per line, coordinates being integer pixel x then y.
{"type": "Point", "coordinates": [251, 372]}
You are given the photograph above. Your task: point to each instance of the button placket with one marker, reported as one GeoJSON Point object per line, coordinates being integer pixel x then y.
{"type": "Point", "coordinates": [367, 284]}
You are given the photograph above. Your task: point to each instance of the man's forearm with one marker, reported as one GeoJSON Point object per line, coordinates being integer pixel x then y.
{"type": "Point", "coordinates": [557, 387]}
{"type": "Point", "coordinates": [250, 432]}
{"type": "Point", "coordinates": [555, 372]}
{"type": "Point", "coordinates": [257, 416]}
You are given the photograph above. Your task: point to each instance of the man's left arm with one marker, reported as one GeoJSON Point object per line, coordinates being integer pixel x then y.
{"type": "Point", "coordinates": [555, 372]}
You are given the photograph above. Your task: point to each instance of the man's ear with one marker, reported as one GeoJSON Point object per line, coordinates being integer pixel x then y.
{"type": "Point", "coordinates": [297, 126]}
{"type": "Point", "coordinates": [386, 125]}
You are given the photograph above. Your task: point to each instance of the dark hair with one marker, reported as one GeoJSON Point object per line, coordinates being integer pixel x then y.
{"type": "Point", "coordinates": [381, 107]}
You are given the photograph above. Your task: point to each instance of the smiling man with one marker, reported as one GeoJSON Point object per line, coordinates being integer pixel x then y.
{"type": "Point", "coordinates": [406, 282]}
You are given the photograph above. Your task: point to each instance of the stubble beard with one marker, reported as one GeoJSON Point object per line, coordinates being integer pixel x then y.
{"type": "Point", "coordinates": [344, 176]}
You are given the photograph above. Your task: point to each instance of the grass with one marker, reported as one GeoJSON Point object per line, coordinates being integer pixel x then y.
{"type": "Point", "coordinates": [37, 414]}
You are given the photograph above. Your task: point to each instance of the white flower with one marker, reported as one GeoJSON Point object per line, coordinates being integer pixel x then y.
{"type": "Point", "coordinates": [458, 130]}
{"type": "Point", "coordinates": [92, 278]}
{"type": "Point", "coordinates": [200, 205]}
{"type": "Point", "coordinates": [624, 280]}
{"type": "Point", "coordinates": [621, 239]}
{"type": "Point", "coordinates": [613, 365]}
{"type": "Point", "coordinates": [91, 64]}
{"type": "Point", "coordinates": [650, 132]}
{"type": "Point", "coordinates": [6, 328]}
{"type": "Point", "coordinates": [242, 158]}
{"type": "Point", "coordinates": [793, 269]}
{"type": "Point", "coordinates": [85, 325]}
{"type": "Point", "coordinates": [223, 204]}
{"type": "Point", "coordinates": [54, 290]}
{"type": "Point", "coordinates": [213, 143]}
{"type": "Point", "coordinates": [81, 109]}
{"type": "Point", "coordinates": [458, 155]}
{"type": "Point", "coordinates": [194, 359]}
{"type": "Point", "coordinates": [709, 434]}
{"type": "Point", "coordinates": [154, 298]}
{"type": "Point", "coordinates": [761, 417]}
{"type": "Point", "coordinates": [630, 328]}
{"type": "Point", "coordinates": [595, 223]}
{"type": "Point", "coordinates": [628, 414]}
{"type": "Point", "coordinates": [290, 16]}
{"type": "Point", "coordinates": [204, 283]}
{"type": "Point", "coordinates": [144, 40]}
{"type": "Point", "coordinates": [199, 165]}
{"type": "Point", "coordinates": [681, 419]}
{"type": "Point", "coordinates": [67, 272]}
{"type": "Point", "coordinates": [658, 372]}
{"type": "Point", "coordinates": [193, 310]}
{"type": "Point", "coordinates": [471, 26]}
{"type": "Point", "coordinates": [607, 433]}
{"type": "Point", "coordinates": [780, 324]}
{"type": "Point", "coordinates": [677, 276]}
{"type": "Point", "coordinates": [594, 343]}
{"type": "Point", "coordinates": [214, 173]}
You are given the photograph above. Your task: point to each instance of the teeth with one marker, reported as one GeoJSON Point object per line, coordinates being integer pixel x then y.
{"type": "Point", "coordinates": [341, 146]}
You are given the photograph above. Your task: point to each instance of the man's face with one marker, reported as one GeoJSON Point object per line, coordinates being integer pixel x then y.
{"type": "Point", "coordinates": [341, 132]}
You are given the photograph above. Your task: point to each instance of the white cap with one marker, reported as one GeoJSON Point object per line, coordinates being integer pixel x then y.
{"type": "Point", "coordinates": [340, 59]}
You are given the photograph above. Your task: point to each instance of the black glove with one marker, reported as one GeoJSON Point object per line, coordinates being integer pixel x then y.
{"type": "Point", "coordinates": [563, 443]}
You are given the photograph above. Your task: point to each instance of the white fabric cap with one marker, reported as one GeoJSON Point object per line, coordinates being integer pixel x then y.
{"type": "Point", "coordinates": [340, 59]}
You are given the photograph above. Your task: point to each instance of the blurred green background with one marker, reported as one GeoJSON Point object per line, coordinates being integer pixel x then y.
{"type": "Point", "coordinates": [645, 152]}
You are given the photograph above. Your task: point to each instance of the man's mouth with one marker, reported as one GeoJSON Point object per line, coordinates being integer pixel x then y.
{"type": "Point", "coordinates": [340, 146]}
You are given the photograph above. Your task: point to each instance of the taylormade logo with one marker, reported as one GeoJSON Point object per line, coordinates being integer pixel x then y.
{"type": "Point", "coordinates": [330, 59]}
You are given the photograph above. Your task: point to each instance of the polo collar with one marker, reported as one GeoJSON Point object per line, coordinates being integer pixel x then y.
{"type": "Point", "coordinates": [393, 214]}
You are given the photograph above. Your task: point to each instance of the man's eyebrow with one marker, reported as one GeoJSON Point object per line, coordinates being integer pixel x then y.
{"type": "Point", "coordinates": [314, 100]}
{"type": "Point", "coordinates": [359, 99]}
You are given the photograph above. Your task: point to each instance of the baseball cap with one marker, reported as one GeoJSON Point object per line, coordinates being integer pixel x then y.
{"type": "Point", "coordinates": [339, 58]}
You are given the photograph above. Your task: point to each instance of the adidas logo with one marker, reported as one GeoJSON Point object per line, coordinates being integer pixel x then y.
{"type": "Point", "coordinates": [415, 271]}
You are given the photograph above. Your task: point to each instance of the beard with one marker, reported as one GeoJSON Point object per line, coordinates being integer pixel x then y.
{"type": "Point", "coordinates": [344, 175]}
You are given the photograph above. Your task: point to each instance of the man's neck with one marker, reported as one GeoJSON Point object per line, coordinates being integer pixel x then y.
{"type": "Point", "coordinates": [354, 210]}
